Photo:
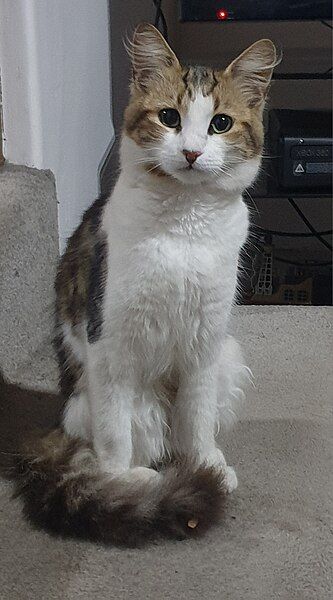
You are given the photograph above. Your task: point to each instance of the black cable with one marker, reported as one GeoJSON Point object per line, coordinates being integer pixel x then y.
{"type": "Point", "coordinates": [159, 17]}
{"type": "Point", "coordinates": [297, 263]}
{"type": "Point", "coordinates": [327, 24]}
{"type": "Point", "coordinates": [305, 76]}
{"type": "Point", "coordinates": [165, 27]}
{"type": "Point", "coordinates": [291, 234]}
{"type": "Point", "coordinates": [302, 264]}
{"type": "Point", "coordinates": [308, 224]}
{"type": "Point", "coordinates": [157, 4]}
{"type": "Point", "coordinates": [330, 27]}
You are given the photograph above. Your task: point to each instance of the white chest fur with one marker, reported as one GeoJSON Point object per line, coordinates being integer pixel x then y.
{"type": "Point", "coordinates": [172, 269]}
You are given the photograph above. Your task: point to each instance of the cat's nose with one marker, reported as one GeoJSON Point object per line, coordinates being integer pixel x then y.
{"type": "Point", "coordinates": [191, 156]}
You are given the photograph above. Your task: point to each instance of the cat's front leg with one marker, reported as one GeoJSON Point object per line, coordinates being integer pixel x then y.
{"type": "Point", "coordinates": [194, 420]}
{"type": "Point", "coordinates": [111, 404]}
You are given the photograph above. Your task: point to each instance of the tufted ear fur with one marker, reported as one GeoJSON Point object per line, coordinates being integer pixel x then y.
{"type": "Point", "coordinates": [253, 70]}
{"type": "Point", "coordinates": [150, 55]}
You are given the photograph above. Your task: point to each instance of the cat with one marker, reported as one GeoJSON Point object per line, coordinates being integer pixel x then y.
{"type": "Point", "coordinates": [144, 292]}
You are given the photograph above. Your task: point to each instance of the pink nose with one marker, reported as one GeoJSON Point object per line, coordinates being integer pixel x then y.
{"type": "Point", "coordinates": [191, 157]}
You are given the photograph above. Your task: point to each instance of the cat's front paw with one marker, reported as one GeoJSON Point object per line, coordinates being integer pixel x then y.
{"type": "Point", "coordinates": [217, 460]}
{"type": "Point", "coordinates": [230, 479]}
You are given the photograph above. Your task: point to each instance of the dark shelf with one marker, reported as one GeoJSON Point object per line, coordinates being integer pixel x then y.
{"type": "Point", "coordinates": [302, 76]}
{"type": "Point", "coordinates": [267, 186]}
{"type": "Point", "coordinates": [279, 193]}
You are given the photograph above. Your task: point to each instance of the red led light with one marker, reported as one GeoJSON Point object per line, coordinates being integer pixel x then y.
{"type": "Point", "coordinates": [222, 14]}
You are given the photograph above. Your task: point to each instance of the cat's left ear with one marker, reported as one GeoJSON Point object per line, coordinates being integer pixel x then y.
{"type": "Point", "coordinates": [253, 70]}
{"type": "Point", "coordinates": [150, 55]}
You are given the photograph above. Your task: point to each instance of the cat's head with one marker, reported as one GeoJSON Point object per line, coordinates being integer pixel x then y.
{"type": "Point", "coordinates": [197, 124]}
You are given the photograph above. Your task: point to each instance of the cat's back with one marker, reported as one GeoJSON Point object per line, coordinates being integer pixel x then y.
{"type": "Point", "coordinates": [83, 255]}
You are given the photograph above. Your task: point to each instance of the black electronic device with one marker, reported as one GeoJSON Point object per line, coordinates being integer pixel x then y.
{"type": "Point", "coordinates": [255, 10]}
{"type": "Point", "coordinates": [301, 149]}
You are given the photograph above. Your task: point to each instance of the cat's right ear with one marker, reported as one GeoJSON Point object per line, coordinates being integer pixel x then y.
{"type": "Point", "coordinates": [150, 55]}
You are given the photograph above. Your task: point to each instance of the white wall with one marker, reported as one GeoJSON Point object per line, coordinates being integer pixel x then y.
{"type": "Point", "coordinates": [55, 73]}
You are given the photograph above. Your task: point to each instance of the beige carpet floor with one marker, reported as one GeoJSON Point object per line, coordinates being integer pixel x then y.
{"type": "Point", "coordinates": [276, 539]}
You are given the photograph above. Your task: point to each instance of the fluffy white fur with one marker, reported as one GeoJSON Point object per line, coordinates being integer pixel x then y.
{"type": "Point", "coordinates": [165, 370]}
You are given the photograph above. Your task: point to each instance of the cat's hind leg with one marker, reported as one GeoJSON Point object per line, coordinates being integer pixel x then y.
{"type": "Point", "coordinates": [76, 417]}
{"type": "Point", "coordinates": [70, 348]}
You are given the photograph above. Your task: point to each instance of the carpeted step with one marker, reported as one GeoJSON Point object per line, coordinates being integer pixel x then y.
{"type": "Point", "coordinates": [28, 258]}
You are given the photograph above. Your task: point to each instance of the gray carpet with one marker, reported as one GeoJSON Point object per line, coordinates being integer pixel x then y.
{"type": "Point", "coordinates": [276, 539]}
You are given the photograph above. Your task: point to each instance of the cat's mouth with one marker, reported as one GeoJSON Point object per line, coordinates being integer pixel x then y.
{"type": "Point", "coordinates": [193, 168]}
{"type": "Point", "coordinates": [189, 168]}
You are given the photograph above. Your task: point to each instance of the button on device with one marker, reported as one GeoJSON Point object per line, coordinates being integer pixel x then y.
{"type": "Point", "coordinates": [298, 168]}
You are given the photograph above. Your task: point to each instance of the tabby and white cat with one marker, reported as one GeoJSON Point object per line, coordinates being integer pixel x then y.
{"type": "Point", "coordinates": [144, 293]}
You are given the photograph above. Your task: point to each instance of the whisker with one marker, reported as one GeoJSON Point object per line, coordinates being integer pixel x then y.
{"type": "Point", "coordinates": [252, 201]}
{"type": "Point", "coordinates": [155, 167]}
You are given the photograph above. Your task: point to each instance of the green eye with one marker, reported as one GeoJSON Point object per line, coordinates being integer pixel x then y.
{"type": "Point", "coordinates": [170, 117]}
{"type": "Point", "coordinates": [220, 124]}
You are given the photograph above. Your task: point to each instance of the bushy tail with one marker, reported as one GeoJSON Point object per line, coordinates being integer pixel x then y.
{"type": "Point", "coordinates": [64, 492]}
